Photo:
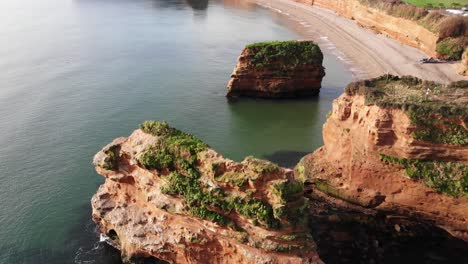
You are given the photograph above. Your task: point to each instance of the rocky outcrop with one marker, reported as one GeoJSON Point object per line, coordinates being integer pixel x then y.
{"type": "Point", "coordinates": [398, 145]}
{"type": "Point", "coordinates": [169, 196]}
{"type": "Point", "coordinates": [278, 70]}
{"type": "Point", "coordinates": [406, 31]}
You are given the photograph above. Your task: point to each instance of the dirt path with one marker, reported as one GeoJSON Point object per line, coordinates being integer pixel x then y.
{"type": "Point", "coordinates": [370, 54]}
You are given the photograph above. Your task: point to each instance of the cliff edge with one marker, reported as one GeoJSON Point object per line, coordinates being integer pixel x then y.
{"type": "Point", "coordinates": [278, 70]}
{"type": "Point", "coordinates": [398, 145]}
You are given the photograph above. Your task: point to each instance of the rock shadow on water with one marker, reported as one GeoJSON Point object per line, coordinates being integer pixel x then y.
{"type": "Point", "coordinates": [286, 158]}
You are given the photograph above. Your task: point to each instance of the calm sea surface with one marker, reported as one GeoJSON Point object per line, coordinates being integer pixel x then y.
{"type": "Point", "coordinates": [75, 74]}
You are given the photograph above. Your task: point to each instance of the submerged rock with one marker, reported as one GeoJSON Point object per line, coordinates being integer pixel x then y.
{"type": "Point", "coordinates": [278, 70]}
{"type": "Point", "coordinates": [169, 196]}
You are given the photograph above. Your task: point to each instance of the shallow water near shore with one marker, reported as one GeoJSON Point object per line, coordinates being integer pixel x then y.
{"type": "Point", "coordinates": [76, 74]}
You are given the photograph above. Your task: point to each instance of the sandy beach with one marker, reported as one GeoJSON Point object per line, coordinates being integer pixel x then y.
{"type": "Point", "coordinates": [370, 54]}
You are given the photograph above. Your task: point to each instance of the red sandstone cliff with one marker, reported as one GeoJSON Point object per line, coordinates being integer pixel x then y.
{"type": "Point", "coordinates": [358, 134]}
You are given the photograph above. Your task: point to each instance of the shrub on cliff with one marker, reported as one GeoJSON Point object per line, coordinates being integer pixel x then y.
{"type": "Point", "coordinates": [452, 48]}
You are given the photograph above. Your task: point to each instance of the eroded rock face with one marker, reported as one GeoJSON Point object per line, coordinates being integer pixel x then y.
{"type": "Point", "coordinates": [398, 145]}
{"type": "Point", "coordinates": [167, 195]}
{"type": "Point", "coordinates": [278, 70]}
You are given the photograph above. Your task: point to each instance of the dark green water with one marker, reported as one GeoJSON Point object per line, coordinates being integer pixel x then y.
{"type": "Point", "coordinates": [75, 74]}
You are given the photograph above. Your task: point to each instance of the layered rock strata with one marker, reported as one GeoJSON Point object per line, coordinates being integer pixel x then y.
{"type": "Point", "coordinates": [398, 145]}
{"type": "Point", "coordinates": [167, 195]}
{"type": "Point", "coordinates": [278, 70]}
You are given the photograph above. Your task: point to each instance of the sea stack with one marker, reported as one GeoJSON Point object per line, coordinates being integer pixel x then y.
{"type": "Point", "coordinates": [278, 69]}
{"type": "Point", "coordinates": [168, 196]}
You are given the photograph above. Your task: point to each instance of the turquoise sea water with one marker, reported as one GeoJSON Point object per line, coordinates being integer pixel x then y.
{"type": "Point", "coordinates": [75, 74]}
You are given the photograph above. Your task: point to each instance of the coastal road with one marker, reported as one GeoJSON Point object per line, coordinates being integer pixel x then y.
{"type": "Point", "coordinates": [370, 54]}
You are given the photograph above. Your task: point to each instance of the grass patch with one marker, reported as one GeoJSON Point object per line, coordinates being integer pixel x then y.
{"type": "Point", "coordinates": [438, 3]}
{"type": "Point", "coordinates": [446, 177]}
{"type": "Point", "coordinates": [289, 53]}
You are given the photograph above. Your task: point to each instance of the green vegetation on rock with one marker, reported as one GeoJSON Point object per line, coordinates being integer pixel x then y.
{"type": "Point", "coordinates": [177, 152]}
{"type": "Point", "coordinates": [452, 48]}
{"type": "Point", "coordinates": [445, 177]}
{"type": "Point", "coordinates": [112, 158]}
{"type": "Point", "coordinates": [197, 198]}
{"type": "Point", "coordinates": [290, 53]}
{"type": "Point", "coordinates": [174, 148]}
{"type": "Point", "coordinates": [214, 204]}
{"type": "Point", "coordinates": [258, 211]}
{"type": "Point", "coordinates": [234, 178]}
{"type": "Point", "coordinates": [438, 111]}
{"type": "Point", "coordinates": [157, 158]}
{"type": "Point", "coordinates": [174, 139]}
{"type": "Point", "coordinates": [288, 190]}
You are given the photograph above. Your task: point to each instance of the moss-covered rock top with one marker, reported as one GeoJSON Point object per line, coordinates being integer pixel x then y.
{"type": "Point", "coordinates": [289, 53]}
{"type": "Point", "coordinates": [439, 110]}
{"type": "Point", "coordinates": [410, 92]}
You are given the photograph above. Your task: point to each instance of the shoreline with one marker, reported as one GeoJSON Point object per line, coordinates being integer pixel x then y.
{"type": "Point", "coordinates": [366, 53]}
